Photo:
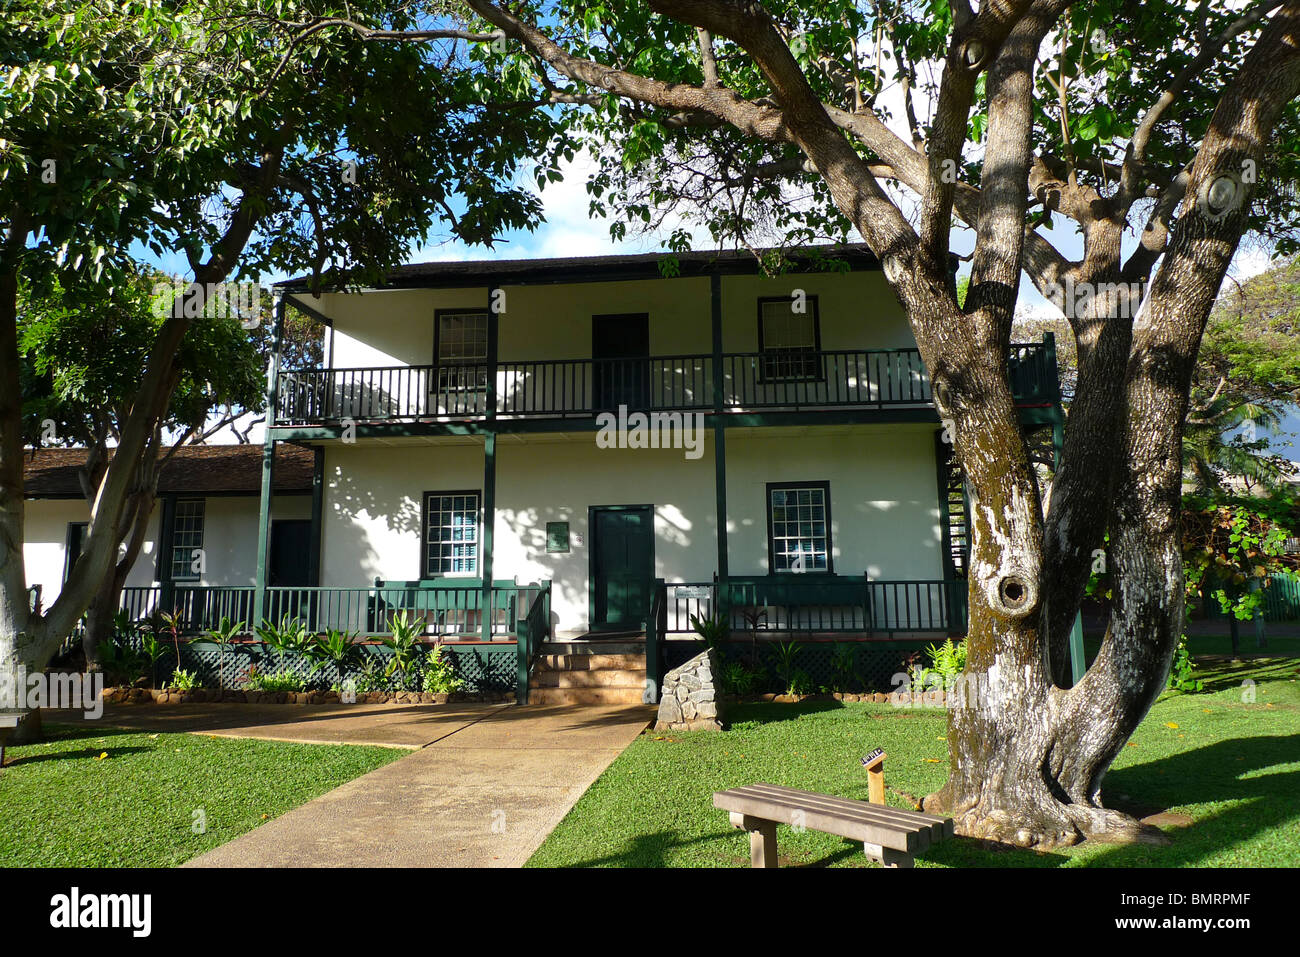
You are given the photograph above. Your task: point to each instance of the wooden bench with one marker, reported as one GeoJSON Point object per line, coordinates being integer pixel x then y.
{"type": "Point", "coordinates": [889, 835]}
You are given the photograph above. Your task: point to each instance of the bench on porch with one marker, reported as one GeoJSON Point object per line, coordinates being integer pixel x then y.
{"type": "Point", "coordinates": [892, 836]}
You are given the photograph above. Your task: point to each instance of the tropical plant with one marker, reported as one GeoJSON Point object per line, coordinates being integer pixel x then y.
{"type": "Point", "coordinates": [844, 667]}
{"type": "Point", "coordinates": [404, 641]}
{"type": "Point", "coordinates": [738, 678]}
{"type": "Point", "coordinates": [714, 631]}
{"type": "Point", "coordinates": [439, 673]}
{"type": "Point", "coordinates": [171, 624]}
{"type": "Point", "coordinates": [290, 635]}
{"type": "Point", "coordinates": [154, 648]}
{"type": "Point", "coordinates": [223, 636]}
{"type": "Point", "coordinates": [122, 663]}
{"type": "Point", "coordinates": [336, 647]}
{"type": "Point", "coordinates": [786, 654]}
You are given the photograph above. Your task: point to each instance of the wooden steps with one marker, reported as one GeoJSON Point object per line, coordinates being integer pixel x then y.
{"type": "Point", "coordinates": [588, 678]}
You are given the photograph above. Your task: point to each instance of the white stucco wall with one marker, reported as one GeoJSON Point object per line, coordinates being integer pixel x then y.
{"type": "Point", "coordinates": [884, 504]}
{"type": "Point", "coordinates": [229, 539]}
{"type": "Point", "coordinates": [884, 496]}
{"type": "Point", "coordinates": [396, 327]}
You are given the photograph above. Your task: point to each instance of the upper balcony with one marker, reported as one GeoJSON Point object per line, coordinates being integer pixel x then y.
{"type": "Point", "coordinates": [788, 381]}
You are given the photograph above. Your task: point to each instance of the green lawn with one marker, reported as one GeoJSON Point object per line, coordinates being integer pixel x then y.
{"type": "Point", "coordinates": [104, 797]}
{"type": "Point", "coordinates": [1232, 767]}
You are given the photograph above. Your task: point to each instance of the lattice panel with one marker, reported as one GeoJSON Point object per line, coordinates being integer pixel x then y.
{"type": "Point", "coordinates": [875, 662]}
{"type": "Point", "coordinates": [481, 668]}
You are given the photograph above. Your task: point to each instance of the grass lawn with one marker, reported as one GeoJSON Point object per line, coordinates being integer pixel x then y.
{"type": "Point", "coordinates": [1231, 767]}
{"type": "Point", "coordinates": [106, 797]}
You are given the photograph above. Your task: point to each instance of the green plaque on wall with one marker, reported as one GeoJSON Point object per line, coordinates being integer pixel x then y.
{"type": "Point", "coordinates": [557, 536]}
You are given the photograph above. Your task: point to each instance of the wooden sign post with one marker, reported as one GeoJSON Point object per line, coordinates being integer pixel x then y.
{"type": "Point", "coordinates": [875, 765]}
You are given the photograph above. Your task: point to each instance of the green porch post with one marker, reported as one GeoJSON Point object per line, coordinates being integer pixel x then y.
{"type": "Point", "coordinates": [719, 443]}
{"type": "Point", "coordinates": [263, 533]}
{"type": "Point", "coordinates": [1078, 661]}
{"type": "Point", "coordinates": [317, 513]}
{"type": "Point", "coordinates": [268, 468]}
{"type": "Point", "coordinates": [489, 526]}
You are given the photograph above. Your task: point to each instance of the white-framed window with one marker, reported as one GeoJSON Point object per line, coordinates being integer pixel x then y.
{"type": "Point", "coordinates": [187, 540]}
{"type": "Point", "coordinates": [799, 526]}
{"type": "Point", "coordinates": [789, 338]}
{"type": "Point", "coordinates": [461, 349]}
{"type": "Point", "coordinates": [451, 533]}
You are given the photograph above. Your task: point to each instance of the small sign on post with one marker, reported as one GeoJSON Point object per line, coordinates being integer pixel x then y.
{"type": "Point", "coordinates": [875, 765]}
{"type": "Point", "coordinates": [692, 591]}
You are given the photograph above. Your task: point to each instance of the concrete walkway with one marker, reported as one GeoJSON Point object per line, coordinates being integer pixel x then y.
{"type": "Point", "coordinates": [483, 787]}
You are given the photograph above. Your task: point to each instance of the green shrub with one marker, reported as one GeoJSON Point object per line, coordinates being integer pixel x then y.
{"type": "Point", "coordinates": [737, 678]}
{"type": "Point", "coordinates": [183, 680]}
{"type": "Point", "coordinates": [439, 673]}
{"type": "Point", "coordinates": [278, 681]}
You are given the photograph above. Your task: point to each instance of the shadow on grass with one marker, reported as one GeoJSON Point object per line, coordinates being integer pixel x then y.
{"type": "Point", "coordinates": [1212, 774]}
{"type": "Point", "coordinates": [769, 712]}
{"type": "Point", "coordinates": [647, 850]}
{"type": "Point", "coordinates": [79, 755]}
{"type": "Point", "coordinates": [1220, 674]}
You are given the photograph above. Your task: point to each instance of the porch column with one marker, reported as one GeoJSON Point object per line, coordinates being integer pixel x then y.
{"type": "Point", "coordinates": [317, 513]}
{"type": "Point", "coordinates": [268, 467]}
{"type": "Point", "coordinates": [263, 532]}
{"type": "Point", "coordinates": [493, 337]}
{"type": "Point", "coordinates": [489, 526]}
{"type": "Point", "coordinates": [1078, 662]}
{"type": "Point", "coordinates": [719, 440]}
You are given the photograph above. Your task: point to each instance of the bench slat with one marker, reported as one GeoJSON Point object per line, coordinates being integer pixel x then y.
{"type": "Point", "coordinates": [859, 828]}
{"type": "Point", "coordinates": [856, 810]}
{"type": "Point", "coordinates": [940, 827]}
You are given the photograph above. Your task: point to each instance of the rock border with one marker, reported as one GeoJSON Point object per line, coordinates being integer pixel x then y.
{"type": "Point", "coordinates": [900, 699]}
{"type": "Point", "coordinates": [172, 696]}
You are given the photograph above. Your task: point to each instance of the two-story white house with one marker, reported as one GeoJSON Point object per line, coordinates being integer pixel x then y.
{"type": "Point", "coordinates": [600, 447]}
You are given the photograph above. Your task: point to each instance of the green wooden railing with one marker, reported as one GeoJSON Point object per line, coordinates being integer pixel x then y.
{"type": "Point", "coordinates": [448, 608]}
{"type": "Point", "coordinates": [791, 380]}
{"type": "Point", "coordinates": [815, 604]}
{"type": "Point", "coordinates": [656, 626]}
{"type": "Point", "coordinates": [531, 631]}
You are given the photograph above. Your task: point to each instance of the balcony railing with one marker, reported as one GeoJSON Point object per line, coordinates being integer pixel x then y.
{"type": "Point", "coordinates": [560, 388]}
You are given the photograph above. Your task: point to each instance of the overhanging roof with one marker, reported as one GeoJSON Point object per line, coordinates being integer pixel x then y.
{"type": "Point", "coordinates": [577, 269]}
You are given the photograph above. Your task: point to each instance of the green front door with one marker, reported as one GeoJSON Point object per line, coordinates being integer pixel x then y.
{"type": "Point", "coordinates": [622, 566]}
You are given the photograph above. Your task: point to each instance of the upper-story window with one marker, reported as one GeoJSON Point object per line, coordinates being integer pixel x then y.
{"type": "Point", "coordinates": [187, 540]}
{"type": "Point", "coordinates": [461, 347]}
{"type": "Point", "coordinates": [789, 338]}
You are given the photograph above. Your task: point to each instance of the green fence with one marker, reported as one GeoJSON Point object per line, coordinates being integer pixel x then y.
{"type": "Point", "coordinates": [1281, 599]}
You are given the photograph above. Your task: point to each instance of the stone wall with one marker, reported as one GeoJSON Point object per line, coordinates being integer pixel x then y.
{"type": "Point", "coordinates": [689, 700]}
